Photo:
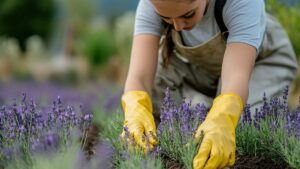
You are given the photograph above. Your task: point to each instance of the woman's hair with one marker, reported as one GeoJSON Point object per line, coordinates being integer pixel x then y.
{"type": "Point", "coordinates": [167, 44]}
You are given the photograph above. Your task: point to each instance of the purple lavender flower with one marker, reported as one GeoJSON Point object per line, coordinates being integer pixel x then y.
{"type": "Point", "coordinates": [129, 141]}
{"type": "Point", "coordinates": [292, 125]}
{"type": "Point", "coordinates": [246, 116]}
{"type": "Point", "coordinates": [201, 111]}
{"type": "Point", "coordinates": [186, 115]}
{"type": "Point", "coordinates": [285, 99]}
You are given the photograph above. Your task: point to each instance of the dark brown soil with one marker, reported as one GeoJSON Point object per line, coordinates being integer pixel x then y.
{"type": "Point", "coordinates": [243, 162]}
{"type": "Point", "coordinates": [171, 164]}
{"type": "Point", "coordinates": [250, 162]}
{"type": "Point", "coordinates": [92, 138]}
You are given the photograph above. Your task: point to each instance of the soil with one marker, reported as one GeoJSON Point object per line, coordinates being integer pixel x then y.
{"type": "Point", "coordinates": [92, 139]}
{"type": "Point", "coordinates": [242, 162]}
{"type": "Point", "coordinates": [254, 162]}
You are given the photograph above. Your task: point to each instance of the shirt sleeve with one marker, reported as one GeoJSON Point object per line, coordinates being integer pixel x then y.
{"type": "Point", "coordinates": [246, 21]}
{"type": "Point", "coordinates": [146, 19]}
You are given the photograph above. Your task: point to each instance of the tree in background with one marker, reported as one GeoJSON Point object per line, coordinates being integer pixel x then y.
{"type": "Point", "coordinates": [288, 13]}
{"type": "Point", "coordinates": [78, 16]}
{"type": "Point", "coordinates": [23, 18]}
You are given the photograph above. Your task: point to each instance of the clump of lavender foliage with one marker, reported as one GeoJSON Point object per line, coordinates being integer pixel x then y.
{"type": "Point", "coordinates": [272, 131]}
{"type": "Point", "coordinates": [126, 154]}
{"type": "Point", "coordinates": [133, 156]}
{"type": "Point", "coordinates": [177, 129]}
{"type": "Point", "coordinates": [26, 129]}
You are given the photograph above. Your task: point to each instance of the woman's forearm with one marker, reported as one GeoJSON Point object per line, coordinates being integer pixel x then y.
{"type": "Point", "coordinates": [134, 83]}
{"type": "Point", "coordinates": [238, 63]}
{"type": "Point", "coordinates": [143, 62]}
{"type": "Point", "coordinates": [237, 84]}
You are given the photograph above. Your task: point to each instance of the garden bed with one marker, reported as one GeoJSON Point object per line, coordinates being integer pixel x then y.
{"type": "Point", "coordinates": [268, 140]}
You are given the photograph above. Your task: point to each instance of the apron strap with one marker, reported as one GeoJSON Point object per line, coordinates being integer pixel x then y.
{"type": "Point", "coordinates": [219, 5]}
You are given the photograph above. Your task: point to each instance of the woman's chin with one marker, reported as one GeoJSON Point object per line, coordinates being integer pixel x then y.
{"type": "Point", "coordinates": [188, 28]}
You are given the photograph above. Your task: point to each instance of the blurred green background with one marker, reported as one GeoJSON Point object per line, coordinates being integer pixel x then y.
{"type": "Point", "coordinates": [77, 41]}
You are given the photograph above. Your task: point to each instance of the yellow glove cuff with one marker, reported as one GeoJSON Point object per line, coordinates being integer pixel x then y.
{"type": "Point", "coordinates": [231, 96]}
{"type": "Point", "coordinates": [228, 104]}
{"type": "Point", "coordinates": [138, 98]}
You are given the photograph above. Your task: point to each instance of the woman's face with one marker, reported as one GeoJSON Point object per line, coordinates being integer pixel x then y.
{"type": "Point", "coordinates": [182, 14]}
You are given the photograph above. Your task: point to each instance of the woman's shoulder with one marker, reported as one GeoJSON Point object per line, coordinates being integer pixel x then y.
{"type": "Point", "coordinates": [233, 6]}
{"type": "Point", "coordinates": [243, 11]}
{"type": "Point", "coordinates": [145, 6]}
{"type": "Point", "coordinates": [147, 20]}
{"type": "Point", "coordinates": [245, 20]}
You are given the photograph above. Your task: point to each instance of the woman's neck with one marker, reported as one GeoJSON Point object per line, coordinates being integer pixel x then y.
{"type": "Point", "coordinates": [206, 8]}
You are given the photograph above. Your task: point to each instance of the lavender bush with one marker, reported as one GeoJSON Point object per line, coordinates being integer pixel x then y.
{"type": "Point", "coordinates": [290, 150]}
{"type": "Point", "coordinates": [28, 129]}
{"type": "Point", "coordinates": [178, 127]}
{"type": "Point", "coordinates": [273, 131]}
{"type": "Point", "coordinates": [126, 154]}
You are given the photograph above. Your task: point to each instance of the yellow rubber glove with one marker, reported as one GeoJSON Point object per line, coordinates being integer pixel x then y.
{"type": "Point", "coordinates": [217, 149]}
{"type": "Point", "coordinates": [137, 107]}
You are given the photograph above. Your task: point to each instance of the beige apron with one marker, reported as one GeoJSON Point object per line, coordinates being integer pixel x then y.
{"type": "Point", "coordinates": [194, 72]}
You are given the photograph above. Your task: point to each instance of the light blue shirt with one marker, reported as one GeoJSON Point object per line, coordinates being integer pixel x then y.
{"type": "Point", "coordinates": [245, 20]}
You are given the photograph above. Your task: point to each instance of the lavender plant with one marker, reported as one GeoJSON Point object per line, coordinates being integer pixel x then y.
{"type": "Point", "coordinates": [290, 150]}
{"type": "Point", "coordinates": [126, 154]}
{"type": "Point", "coordinates": [27, 129]}
{"type": "Point", "coordinates": [133, 156]}
{"type": "Point", "coordinates": [273, 131]}
{"type": "Point", "coordinates": [290, 144]}
{"type": "Point", "coordinates": [177, 129]}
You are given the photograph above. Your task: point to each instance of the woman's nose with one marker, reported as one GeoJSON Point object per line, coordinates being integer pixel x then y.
{"type": "Point", "coordinates": [178, 24]}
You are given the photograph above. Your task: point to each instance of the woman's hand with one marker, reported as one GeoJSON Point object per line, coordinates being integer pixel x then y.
{"type": "Point", "coordinates": [139, 120]}
{"type": "Point", "coordinates": [218, 146]}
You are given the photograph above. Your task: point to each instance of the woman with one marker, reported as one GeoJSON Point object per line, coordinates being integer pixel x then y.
{"type": "Point", "coordinates": [222, 53]}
